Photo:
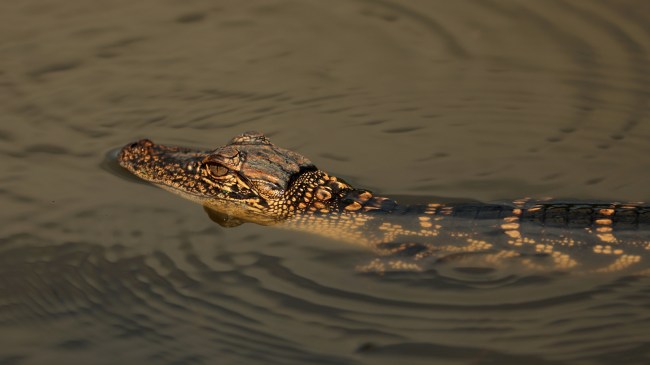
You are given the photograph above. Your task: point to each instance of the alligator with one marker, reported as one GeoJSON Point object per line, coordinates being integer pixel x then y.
{"type": "Point", "coordinates": [252, 180]}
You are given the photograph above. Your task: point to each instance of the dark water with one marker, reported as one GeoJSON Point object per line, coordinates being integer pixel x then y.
{"type": "Point", "coordinates": [483, 99]}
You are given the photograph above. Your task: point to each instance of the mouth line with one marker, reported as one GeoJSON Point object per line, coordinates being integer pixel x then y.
{"type": "Point", "coordinates": [196, 196]}
{"type": "Point", "coordinates": [135, 175]}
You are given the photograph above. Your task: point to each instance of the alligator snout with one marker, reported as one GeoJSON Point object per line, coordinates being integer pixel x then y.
{"type": "Point", "coordinates": [135, 153]}
{"type": "Point", "coordinates": [157, 163]}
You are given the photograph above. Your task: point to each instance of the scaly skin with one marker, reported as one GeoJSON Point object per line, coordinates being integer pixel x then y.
{"type": "Point", "coordinates": [251, 180]}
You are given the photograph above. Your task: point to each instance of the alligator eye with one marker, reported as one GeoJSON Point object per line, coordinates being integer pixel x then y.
{"type": "Point", "coordinates": [217, 170]}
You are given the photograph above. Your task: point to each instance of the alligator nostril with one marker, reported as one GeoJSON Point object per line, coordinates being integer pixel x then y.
{"type": "Point", "coordinates": [145, 143]}
{"type": "Point", "coordinates": [141, 143]}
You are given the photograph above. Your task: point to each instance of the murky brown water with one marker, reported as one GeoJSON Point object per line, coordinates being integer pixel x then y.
{"type": "Point", "coordinates": [483, 99]}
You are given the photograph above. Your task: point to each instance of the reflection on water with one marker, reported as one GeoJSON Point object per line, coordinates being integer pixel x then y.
{"type": "Point", "coordinates": [474, 99]}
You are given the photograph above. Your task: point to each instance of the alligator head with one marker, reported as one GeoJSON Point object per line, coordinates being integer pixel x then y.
{"type": "Point", "coordinates": [249, 179]}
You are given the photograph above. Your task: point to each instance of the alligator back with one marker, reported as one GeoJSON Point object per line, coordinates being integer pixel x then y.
{"type": "Point", "coordinates": [544, 235]}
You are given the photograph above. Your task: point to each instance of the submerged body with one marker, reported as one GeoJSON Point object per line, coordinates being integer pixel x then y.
{"type": "Point", "coordinates": [251, 180]}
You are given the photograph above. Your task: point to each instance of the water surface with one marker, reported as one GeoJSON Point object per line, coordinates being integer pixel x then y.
{"type": "Point", "coordinates": [484, 100]}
